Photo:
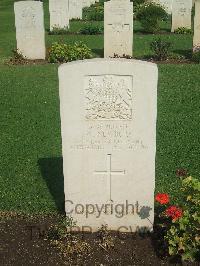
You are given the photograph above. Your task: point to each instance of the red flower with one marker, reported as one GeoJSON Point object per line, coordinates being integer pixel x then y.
{"type": "Point", "coordinates": [174, 212]}
{"type": "Point", "coordinates": [162, 198]}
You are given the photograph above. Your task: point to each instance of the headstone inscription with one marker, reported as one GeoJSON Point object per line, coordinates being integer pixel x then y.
{"type": "Point", "coordinates": [118, 28]}
{"type": "Point", "coordinates": [30, 33]}
{"type": "Point", "coordinates": [108, 124]}
{"type": "Point", "coordinates": [59, 14]}
{"type": "Point", "coordinates": [181, 14]}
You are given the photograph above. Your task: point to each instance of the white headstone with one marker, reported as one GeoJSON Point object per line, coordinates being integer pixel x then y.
{"type": "Point", "coordinates": [108, 119]}
{"type": "Point", "coordinates": [181, 14]}
{"type": "Point", "coordinates": [59, 14]}
{"type": "Point", "coordinates": [196, 38]}
{"type": "Point", "coordinates": [75, 9]}
{"type": "Point", "coordinates": [118, 28]}
{"type": "Point", "coordinates": [30, 33]}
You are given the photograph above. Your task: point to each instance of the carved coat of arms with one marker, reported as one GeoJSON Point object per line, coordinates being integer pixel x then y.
{"type": "Point", "coordinates": [108, 97]}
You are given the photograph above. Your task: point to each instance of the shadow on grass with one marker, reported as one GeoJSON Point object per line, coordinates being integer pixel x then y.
{"type": "Point", "coordinates": [161, 32]}
{"type": "Point", "coordinates": [52, 172]}
{"type": "Point", "coordinates": [99, 52]}
{"type": "Point", "coordinates": [186, 53]}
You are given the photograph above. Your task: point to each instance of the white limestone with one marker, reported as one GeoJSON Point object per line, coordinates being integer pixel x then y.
{"type": "Point", "coordinates": [118, 28]}
{"type": "Point", "coordinates": [196, 38]}
{"type": "Point", "coordinates": [108, 123]}
{"type": "Point", "coordinates": [181, 14]}
{"type": "Point", "coordinates": [30, 33]}
{"type": "Point", "coordinates": [75, 9]}
{"type": "Point", "coordinates": [59, 14]}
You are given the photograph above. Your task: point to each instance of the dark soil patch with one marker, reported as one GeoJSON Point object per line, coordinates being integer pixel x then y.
{"type": "Point", "coordinates": [73, 33]}
{"type": "Point", "coordinates": [23, 241]}
{"type": "Point", "coordinates": [140, 32]}
{"type": "Point", "coordinates": [45, 62]}
{"type": "Point", "coordinates": [13, 61]}
{"type": "Point", "coordinates": [26, 62]}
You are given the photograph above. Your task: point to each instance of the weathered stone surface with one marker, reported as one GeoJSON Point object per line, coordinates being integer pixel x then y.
{"type": "Point", "coordinates": [30, 33]}
{"type": "Point", "coordinates": [118, 28]}
{"type": "Point", "coordinates": [108, 117]}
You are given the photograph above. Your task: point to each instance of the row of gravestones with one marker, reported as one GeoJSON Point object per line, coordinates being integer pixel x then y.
{"type": "Point", "coordinates": [63, 10]}
{"type": "Point", "coordinates": [118, 26]}
{"type": "Point", "coordinates": [180, 10]}
{"type": "Point", "coordinates": [29, 22]}
{"type": "Point", "coordinates": [108, 124]}
{"type": "Point", "coordinates": [170, 5]}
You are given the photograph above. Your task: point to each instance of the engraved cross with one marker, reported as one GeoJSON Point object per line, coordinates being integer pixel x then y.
{"type": "Point", "coordinates": [109, 174]}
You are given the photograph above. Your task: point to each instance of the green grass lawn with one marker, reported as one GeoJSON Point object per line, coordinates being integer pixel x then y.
{"type": "Point", "coordinates": [30, 145]}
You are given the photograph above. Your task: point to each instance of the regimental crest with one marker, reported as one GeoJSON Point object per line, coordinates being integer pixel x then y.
{"type": "Point", "coordinates": [108, 97]}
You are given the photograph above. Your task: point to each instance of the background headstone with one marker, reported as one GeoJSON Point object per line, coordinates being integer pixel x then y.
{"type": "Point", "coordinates": [118, 28]}
{"type": "Point", "coordinates": [181, 14]}
{"type": "Point", "coordinates": [30, 33]}
{"type": "Point", "coordinates": [108, 119]}
{"type": "Point", "coordinates": [75, 9]}
{"type": "Point", "coordinates": [196, 38]}
{"type": "Point", "coordinates": [59, 14]}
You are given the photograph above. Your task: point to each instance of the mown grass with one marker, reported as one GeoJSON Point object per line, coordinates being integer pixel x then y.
{"type": "Point", "coordinates": [31, 159]}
